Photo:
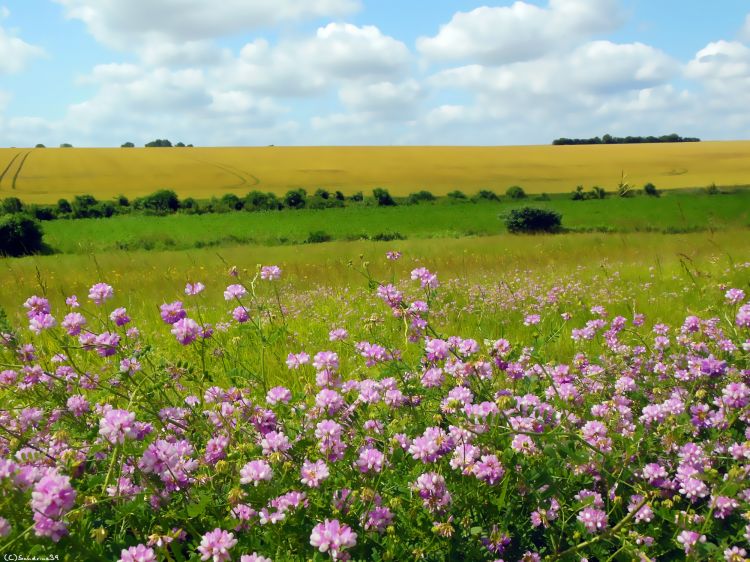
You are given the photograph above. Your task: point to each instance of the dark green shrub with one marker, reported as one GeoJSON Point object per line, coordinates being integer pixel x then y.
{"type": "Point", "coordinates": [531, 219]}
{"type": "Point", "coordinates": [358, 197]}
{"type": "Point", "coordinates": [63, 207]}
{"type": "Point", "coordinates": [650, 190]}
{"type": "Point", "coordinates": [457, 195]}
{"type": "Point", "coordinates": [515, 192]}
{"type": "Point", "coordinates": [339, 196]}
{"type": "Point", "coordinates": [578, 194]}
{"type": "Point", "coordinates": [295, 199]}
{"type": "Point", "coordinates": [382, 197]}
{"type": "Point", "coordinates": [487, 195]}
{"type": "Point", "coordinates": [20, 235]}
{"type": "Point", "coordinates": [232, 202]}
{"type": "Point", "coordinates": [419, 197]}
{"type": "Point", "coordinates": [11, 205]}
{"type": "Point", "coordinates": [318, 236]}
{"type": "Point", "coordinates": [42, 212]}
{"type": "Point", "coordinates": [598, 192]}
{"type": "Point", "coordinates": [162, 201]}
{"type": "Point", "coordinates": [259, 201]}
{"type": "Point", "coordinates": [122, 201]}
{"type": "Point", "coordinates": [322, 193]}
{"type": "Point", "coordinates": [387, 236]}
{"type": "Point", "coordinates": [127, 145]}
{"type": "Point", "coordinates": [84, 207]}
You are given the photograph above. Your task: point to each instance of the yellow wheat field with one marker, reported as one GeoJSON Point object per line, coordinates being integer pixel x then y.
{"type": "Point", "coordinates": [44, 175]}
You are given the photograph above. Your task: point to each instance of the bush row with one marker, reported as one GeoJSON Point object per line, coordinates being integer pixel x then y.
{"type": "Point", "coordinates": [166, 201]}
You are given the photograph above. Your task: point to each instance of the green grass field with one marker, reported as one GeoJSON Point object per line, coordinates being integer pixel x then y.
{"type": "Point", "coordinates": [45, 175]}
{"type": "Point", "coordinates": [673, 212]}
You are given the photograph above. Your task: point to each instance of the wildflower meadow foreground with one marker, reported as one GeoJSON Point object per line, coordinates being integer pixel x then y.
{"type": "Point", "coordinates": [421, 419]}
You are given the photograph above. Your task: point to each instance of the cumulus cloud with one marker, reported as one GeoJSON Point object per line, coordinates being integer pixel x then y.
{"type": "Point", "coordinates": [15, 53]}
{"type": "Point", "coordinates": [337, 52]}
{"type": "Point", "coordinates": [126, 25]}
{"type": "Point", "coordinates": [520, 32]}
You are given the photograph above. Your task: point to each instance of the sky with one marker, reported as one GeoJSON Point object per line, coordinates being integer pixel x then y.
{"type": "Point", "coordinates": [370, 72]}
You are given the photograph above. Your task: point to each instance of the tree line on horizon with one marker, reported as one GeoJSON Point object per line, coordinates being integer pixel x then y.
{"type": "Point", "coordinates": [609, 139]}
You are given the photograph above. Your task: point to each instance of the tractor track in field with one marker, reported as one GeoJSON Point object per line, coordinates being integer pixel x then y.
{"type": "Point", "coordinates": [18, 170]}
{"type": "Point", "coordinates": [236, 172]}
{"type": "Point", "coordinates": [5, 171]}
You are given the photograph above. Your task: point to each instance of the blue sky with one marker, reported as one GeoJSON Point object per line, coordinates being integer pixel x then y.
{"type": "Point", "coordinates": [297, 72]}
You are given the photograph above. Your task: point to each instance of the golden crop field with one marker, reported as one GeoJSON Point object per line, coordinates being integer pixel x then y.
{"type": "Point", "coordinates": [44, 175]}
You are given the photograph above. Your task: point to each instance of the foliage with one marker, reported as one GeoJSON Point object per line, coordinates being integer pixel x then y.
{"type": "Point", "coordinates": [713, 190]}
{"type": "Point", "coordinates": [532, 220]}
{"type": "Point", "coordinates": [457, 195]}
{"type": "Point", "coordinates": [650, 190]}
{"type": "Point", "coordinates": [382, 197]}
{"type": "Point", "coordinates": [259, 201]}
{"type": "Point", "coordinates": [609, 139]}
{"type": "Point", "coordinates": [318, 236]}
{"type": "Point", "coordinates": [160, 202]}
{"type": "Point", "coordinates": [420, 197]}
{"type": "Point", "coordinates": [487, 195]}
{"type": "Point", "coordinates": [161, 143]}
{"type": "Point", "coordinates": [295, 198]}
{"type": "Point", "coordinates": [11, 205]}
{"type": "Point", "coordinates": [20, 235]}
{"type": "Point", "coordinates": [127, 145]}
{"type": "Point", "coordinates": [515, 192]}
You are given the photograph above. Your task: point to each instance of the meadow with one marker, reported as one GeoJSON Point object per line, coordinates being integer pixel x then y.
{"type": "Point", "coordinates": [43, 175]}
{"type": "Point", "coordinates": [673, 212]}
{"type": "Point", "coordinates": [518, 398]}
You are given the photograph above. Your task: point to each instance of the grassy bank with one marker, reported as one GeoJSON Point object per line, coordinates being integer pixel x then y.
{"type": "Point", "coordinates": [674, 212]}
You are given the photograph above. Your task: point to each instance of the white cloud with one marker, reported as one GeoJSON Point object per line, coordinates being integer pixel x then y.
{"type": "Point", "coordinates": [598, 67]}
{"type": "Point", "coordinates": [305, 67]}
{"type": "Point", "coordinates": [385, 100]}
{"type": "Point", "coordinates": [520, 32]}
{"type": "Point", "coordinates": [127, 25]}
{"type": "Point", "coordinates": [15, 53]}
{"type": "Point", "coordinates": [720, 61]}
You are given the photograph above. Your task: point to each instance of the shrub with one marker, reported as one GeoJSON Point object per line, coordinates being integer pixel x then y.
{"type": "Point", "coordinates": [457, 195]}
{"type": "Point", "coordinates": [122, 201]}
{"type": "Point", "coordinates": [531, 219]}
{"type": "Point", "coordinates": [578, 194]}
{"type": "Point", "coordinates": [162, 201]}
{"type": "Point", "coordinates": [295, 198]}
{"type": "Point", "coordinates": [11, 205]}
{"type": "Point", "coordinates": [127, 145]}
{"type": "Point", "coordinates": [63, 207]}
{"type": "Point", "coordinates": [40, 145]}
{"type": "Point", "coordinates": [232, 202]}
{"type": "Point", "coordinates": [387, 236]}
{"type": "Point", "coordinates": [598, 192]}
{"type": "Point", "coordinates": [42, 212]}
{"type": "Point", "coordinates": [20, 235]}
{"type": "Point", "coordinates": [158, 143]}
{"type": "Point", "coordinates": [713, 190]}
{"type": "Point", "coordinates": [84, 206]}
{"type": "Point", "coordinates": [339, 196]}
{"type": "Point", "coordinates": [318, 236]}
{"type": "Point", "coordinates": [259, 201]}
{"type": "Point", "coordinates": [382, 197]}
{"type": "Point", "coordinates": [66, 145]}
{"type": "Point", "coordinates": [515, 192]}
{"type": "Point", "coordinates": [487, 195]}
{"type": "Point", "coordinates": [419, 197]}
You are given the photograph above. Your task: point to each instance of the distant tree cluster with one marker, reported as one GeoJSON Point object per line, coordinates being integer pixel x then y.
{"type": "Point", "coordinates": [609, 139]}
{"type": "Point", "coordinates": [158, 143]}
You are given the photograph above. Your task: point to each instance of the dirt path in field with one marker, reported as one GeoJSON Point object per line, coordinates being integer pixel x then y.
{"type": "Point", "coordinates": [18, 170]}
{"type": "Point", "coordinates": [245, 178]}
{"type": "Point", "coordinates": [5, 171]}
